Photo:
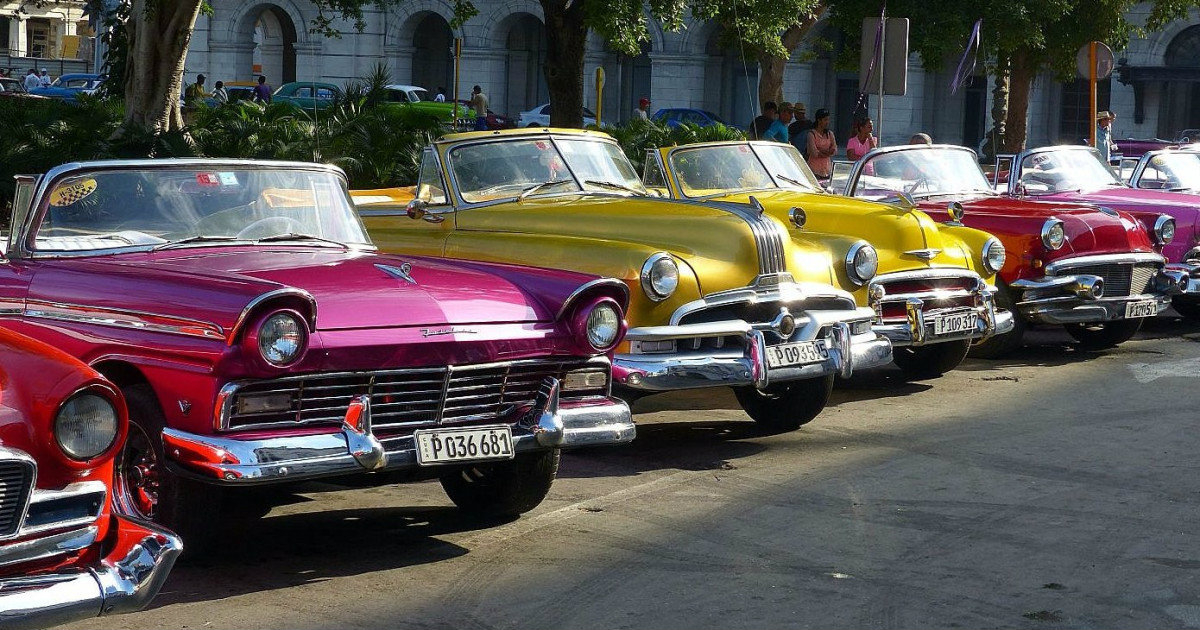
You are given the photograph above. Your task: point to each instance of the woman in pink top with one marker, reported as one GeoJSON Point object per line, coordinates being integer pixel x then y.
{"type": "Point", "coordinates": [821, 146]}
{"type": "Point", "coordinates": [862, 141]}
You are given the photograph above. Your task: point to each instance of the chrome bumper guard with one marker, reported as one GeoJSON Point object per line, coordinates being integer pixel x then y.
{"type": "Point", "coordinates": [918, 331]}
{"type": "Point", "coordinates": [125, 580]}
{"type": "Point", "coordinates": [747, 364]}
{"type": "Point", "coordinates": [1188, 275]}
{"type": "Point", "coordinates": [1078, 299]}
{"type": "Point", "coordinates": [227, 460]}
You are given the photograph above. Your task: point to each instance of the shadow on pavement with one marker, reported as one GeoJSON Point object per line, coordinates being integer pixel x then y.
{"type": "Point", "coordinates": [699, 445]}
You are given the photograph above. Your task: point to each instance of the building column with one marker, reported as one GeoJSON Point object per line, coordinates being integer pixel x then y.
{"type": "Point", "coordinates": [400, 58]}
{"type": "Point", "coordinates": [18, 40]}
{"type": "Point", "coordinates": [309, 62]}
{"type": "Point", "coordinates": [228, 61]}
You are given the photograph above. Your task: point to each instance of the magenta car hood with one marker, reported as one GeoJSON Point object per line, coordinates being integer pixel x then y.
{"type": "Point", "coordinates": [351, 289]}
{"type": "Point", "coordinates": [1147, 205]}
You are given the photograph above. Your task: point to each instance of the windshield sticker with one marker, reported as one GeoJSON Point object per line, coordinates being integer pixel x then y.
{"type": "Point", "coordinates": [744, 149]}
{"type": "Point", "coordinates": [69, 194]}
{"type": "Point", "coordinates": [208, 179]}
{"type": "Point", "coordinates": [228, 179]}
{"type": "Point", "coordinates": [1039, 159]}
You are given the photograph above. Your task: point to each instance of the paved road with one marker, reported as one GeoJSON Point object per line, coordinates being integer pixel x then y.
{"type": "Point", "coordinates": [1055, 489]}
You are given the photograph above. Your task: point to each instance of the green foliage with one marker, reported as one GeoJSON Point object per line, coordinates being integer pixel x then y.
{"type": "Point", "coordinates": [756, 25]}
{"type": "Point", "coordinates": [637, 136]}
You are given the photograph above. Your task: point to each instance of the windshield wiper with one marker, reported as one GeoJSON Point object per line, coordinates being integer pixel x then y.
{"type": "Point", "coordinates": [538, 187]}
{"type": "Point", "coordinates": [794, 182]}
{"type": "Point", "coordinates": [293, 236]}
{"type": "Point", "coordinates": [203, 238]}
{"type": "Point", "coordinates": [613, 186]}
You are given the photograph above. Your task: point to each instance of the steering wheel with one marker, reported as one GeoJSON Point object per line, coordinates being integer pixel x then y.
{"type": "Point", "coordinates": [270, 226]}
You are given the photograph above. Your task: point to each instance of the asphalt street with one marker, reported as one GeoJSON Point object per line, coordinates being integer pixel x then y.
{"type": "Point", "coordinates": [1054, 489]}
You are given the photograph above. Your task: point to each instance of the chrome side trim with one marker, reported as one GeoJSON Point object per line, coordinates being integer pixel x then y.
{"type": "Point", "coordinates": [1131, 257]}
{"type": "Point", "coordinates": [48, 546]}
{"type": "Point", "coordinates": [231, 338]}
{"type": "Point", "coordinates": [588, 286]}
{"type": "Point", "coordinates": [122, 318]}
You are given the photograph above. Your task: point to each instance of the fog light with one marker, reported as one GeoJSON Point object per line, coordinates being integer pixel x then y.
{"type": "Point", "coordinates": [653, 347]}
{"type": "Point", "coordinates": [263, 403]}
{"type": "Point", "coordinates": [584, 379]}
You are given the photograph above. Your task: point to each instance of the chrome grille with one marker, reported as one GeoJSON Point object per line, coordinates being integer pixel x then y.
{"type": "Point", "coordinates": [935, 293]}
{"type": "Point", "coordinates": [1120, 279]}
{"type": "Point", "coordinates": [16, 482]}
{"type": "Point", "coordinates": [414, 397]}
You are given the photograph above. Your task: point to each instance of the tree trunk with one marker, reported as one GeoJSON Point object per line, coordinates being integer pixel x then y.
{"type": "Point", "coordinates": [1016, 125]}
{"type": "Point", "coordinates": [771, 67]}
{"type": "Point", "coordinates": [995, 137]}
{"type": "Point", "coordinates": [566, 36]}
{"type": "Point", "coordinates": [159, 32]}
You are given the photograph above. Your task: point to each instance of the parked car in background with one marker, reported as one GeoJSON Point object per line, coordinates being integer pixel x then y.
{"type": "Point", "coordinates": [64, 554]}
{"type": "Point", "coordinates": [721, 296]}
{"type": "Point", "coordinates": [14, 88]}
{"type": "Point", "coordinates": [540, 117]}
{"type": "Point", "coordinates": [258, 338]}
{"type": "Point", "coordinates": [675, 116]}
{"type": "Point", "coordinates": [1135, 148]}
{"type": "Point", "coordinates": [69, 86]}
{"type": "Point", "coordinates": [308, 96]}
{"type": "Point", "coordinates": [1096, 271]}
{"type": "Point", "coordinates": [932, 293]}
{"type": "Point", "coordinates": [494, 121]}
{"type": "Point", "coordinates": [419, 99]}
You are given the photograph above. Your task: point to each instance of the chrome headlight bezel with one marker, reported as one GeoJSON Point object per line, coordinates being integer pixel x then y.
{"type": "Point", "coordinates": [1164, 229]}
{"type": "Point", "coordinates": [994, 255]}
{"type": "Point", "coordinates": [71, 423]}
{"type": "Point", "coordinates": [1054, 235]}
{"type": "Point", "coordinates": [862, 263]}
{"type": "Point", "coordinates": [602, 326]}
{"type": "Point", "coordinates": [659, 276]}
{"type": "Point", "coordinates": [271, 331]}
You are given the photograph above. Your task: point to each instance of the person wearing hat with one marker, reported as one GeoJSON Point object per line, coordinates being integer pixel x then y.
{"type": "Point", "coordinates": [642, 111]}
{"type": "Point", "coordinates": [798, 129]}
{"type": "Point", "coordinates": [1104, 140]}
{"type": "Point", "coordinates": [45, 78]}
{"type": "Point", "coordinates": [778, 131]}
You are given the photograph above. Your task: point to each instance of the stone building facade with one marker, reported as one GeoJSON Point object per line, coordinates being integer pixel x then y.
{"type": "Point", "coordinates": [504, 47]}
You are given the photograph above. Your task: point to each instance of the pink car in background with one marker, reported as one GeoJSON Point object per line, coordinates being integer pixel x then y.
{"type": "Point", "coordinates": [258, 338]}
{"type": "Point", "coordinates": [1077, 174]}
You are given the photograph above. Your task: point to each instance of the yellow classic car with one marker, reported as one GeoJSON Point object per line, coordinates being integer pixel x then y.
{"type": "Point", "coordinates": [933, 294]}
{"type": "Point", "coordinates": [721, 295]}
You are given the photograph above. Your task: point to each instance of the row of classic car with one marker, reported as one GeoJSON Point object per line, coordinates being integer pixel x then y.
{"type": "Point", "coordinates": [182, 330]}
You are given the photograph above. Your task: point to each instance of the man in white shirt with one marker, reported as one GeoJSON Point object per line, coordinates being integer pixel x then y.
{"type": "Point", "coordinates": [441, 96]}
{"type": "Point", "coordinates": [642, 112]}
{"type": "Point", "coordinates": [32, 82]}
{"type": "Point", "coordinates": [45, 78]}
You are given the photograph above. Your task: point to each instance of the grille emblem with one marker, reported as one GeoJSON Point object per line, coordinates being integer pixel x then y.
{"type": "Point", "coordinates": [924, 254]}
{"type": "Point", "coordinates": [400, 273]}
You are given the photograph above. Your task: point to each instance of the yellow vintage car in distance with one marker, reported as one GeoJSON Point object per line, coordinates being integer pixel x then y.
{"type": "Point", "coordinates": [933, 295]}
{"type": "Point", "coordinates": [721, 295]}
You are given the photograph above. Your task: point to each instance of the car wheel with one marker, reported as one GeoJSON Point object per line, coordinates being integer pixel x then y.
{"type": "Point", "coordinates": [998, 346]}
{"type": "Point", "coordinates": [931, 361]}
{"type": "Point", "coordinates": [143, 487]}
{"type": "Point", "coordinates": [1189, 308]}
{"type": "Point", "coordinates": [1104, 335]}
{"type": "Point", "coordinates": [502, 490]}
{"type": "Point", "coordinates": [787, 406]}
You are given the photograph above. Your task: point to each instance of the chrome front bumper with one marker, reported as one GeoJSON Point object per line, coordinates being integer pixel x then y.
{"type": "Point", "coordinates": [1065, 299]}
{"type": "Point", "coordinates": [918, 329]}
{"type": "Point", "coordinates": [125, 580]}
{"type": "Point", "coordinates": [746, 362]}
{"type": "Point", "coordinates": [229, 460]}
{"type": "Point", "coordinates": [1189, 273]}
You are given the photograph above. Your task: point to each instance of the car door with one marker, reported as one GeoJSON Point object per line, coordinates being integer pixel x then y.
{"type": "Point", "coordinates": [15, 273]}
{"type": "Point", "coordinates": [420, 228]}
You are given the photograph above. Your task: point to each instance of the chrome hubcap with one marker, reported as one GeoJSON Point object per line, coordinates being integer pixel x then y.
{"type": "Point", "coordinates": [137, 476]}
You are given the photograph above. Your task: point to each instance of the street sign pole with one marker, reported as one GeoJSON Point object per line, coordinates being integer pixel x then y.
{"type": "Point", "coordinates": [879, 64]}
{"type": "Point", "coordinates": [1092, 87]}
{"type": "Point", "coordinates": [599, 94]}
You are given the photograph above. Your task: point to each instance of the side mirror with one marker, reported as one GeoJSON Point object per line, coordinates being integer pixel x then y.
{"type": "Point", "coordinates": [419, 209]}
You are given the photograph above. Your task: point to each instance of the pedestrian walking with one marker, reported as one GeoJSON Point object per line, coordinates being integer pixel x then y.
{"type": "Point", "coordinates": [642, 111]}
{"type": "Point", "coordinates": [195, 93]}
{"type": "Point", "coordinates": [441, 95]}
{"type": "Point", "coordinates": [778, 131]}
{"type": "Point", "coordinates": [1104, 141]}
{"type": "Point", "coordinates": [761, 123]}
{"type": "Point", "coordinates": [45, 78]}
{"type": "Point", "coordinates": [262, 91]}
{"type": "Point", "coordinates": [862, 141]}
{"type": "Point", "coordinates": [479, 103]}
{"type": "Point", "coordinates": [220, 94]}
{"type": "Point", "coordinates": [32, 82]}
{"type": "Point", "coordinates": [822, 146]}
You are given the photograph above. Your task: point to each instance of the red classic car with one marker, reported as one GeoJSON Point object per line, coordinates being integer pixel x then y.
{"type": "Point", "coordinates": [1094, 270]}
{"type": "Point", "coordinates": [63, 554]}
{"type": "Point", "coordinates": [258, 338]}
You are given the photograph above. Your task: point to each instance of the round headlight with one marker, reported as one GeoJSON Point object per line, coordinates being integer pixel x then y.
{"type": "Point", "coordinates": [993, 255]}
{"type": "Point", "coordinates": [1164, 230]}
{"type": "Point", "coordinates": [1053, 235]}
{"type": "Point", "coordinates": [281, 339]}
{"type": "Point", "coordinates": [86, 426]}
{"type": "Point", "coordinates": [603, 326]}
{"type": "Point", "coordinates": [660, 276]}
{"type": "Point", "coordinates": [861, 263]}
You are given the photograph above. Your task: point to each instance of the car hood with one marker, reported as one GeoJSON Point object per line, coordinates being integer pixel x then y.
{"type": "Point", "coordinates": [351, 290]}
{"type": "Point", "coordinates": [1147, 205]}
{"type": "Point", "coordinates": [891, 231]}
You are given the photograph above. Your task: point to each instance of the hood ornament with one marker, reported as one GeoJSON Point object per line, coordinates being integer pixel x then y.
{"type": "Point", "coordinates": [1109, 211]}
{"type": "Point", "coordinates": [757, 205]}
{"type": "Point", "coordinates": [400, 273]}
{"type": "Point", "coordinates": [923, 254]}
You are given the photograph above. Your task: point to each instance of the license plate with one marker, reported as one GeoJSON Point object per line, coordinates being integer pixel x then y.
{"type": "Point", "coordinates": [441, 446]}
{"type": "Point", "coordinates": [1144, 308]}
{"type": "Point", "coordinates": [799, 353]}
{"type": "Point", "coordinates": [955, 323]}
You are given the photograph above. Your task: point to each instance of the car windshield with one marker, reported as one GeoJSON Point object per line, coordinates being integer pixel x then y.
{"type": "Point", "coordinates": [160, 207]}
{"type": "Point", "coordinates": [921, 172]}
{"type": "Point", "coordinates": [713, 170]}
{"type": "Point", "coordinates": [1048, 172]}
{"type": "Point", "coordinates": [1171, 171]}
{"type": "Point", "coordinates": [512, 168]}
